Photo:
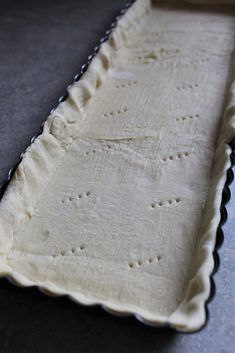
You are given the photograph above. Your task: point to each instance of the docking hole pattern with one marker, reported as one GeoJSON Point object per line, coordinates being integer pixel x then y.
{"type": "Point", "coordinates": [161, 203]}
{"type": "Point", "coordinates": [146, 262]}
{"type": "Point", "coordinates": [73, 251]}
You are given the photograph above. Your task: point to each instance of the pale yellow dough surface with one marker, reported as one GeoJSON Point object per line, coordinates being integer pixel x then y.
{"type": "Point", "coordinates": [117, 202]}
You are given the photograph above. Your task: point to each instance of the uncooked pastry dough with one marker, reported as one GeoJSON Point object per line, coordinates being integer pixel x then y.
{"type": "Point", "coordinates": [116, 202]}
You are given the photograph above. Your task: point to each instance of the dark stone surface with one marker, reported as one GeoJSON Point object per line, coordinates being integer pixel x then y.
{"type": "Point", "coordinates": [42, 46]}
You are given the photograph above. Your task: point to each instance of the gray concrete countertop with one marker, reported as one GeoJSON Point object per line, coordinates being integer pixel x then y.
{"type": "Point", "coordinates": [42, 46]}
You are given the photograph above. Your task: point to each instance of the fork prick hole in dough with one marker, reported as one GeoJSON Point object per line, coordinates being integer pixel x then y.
{"type": "Point", "coordinates": [161, 203]}
{"type": "Point", "coordinates": [189, 117]}
{"type": "Point", "coordinates": [178, 155]}
{"type": "Point", "coordinates": [79, 196]}
{"type": "Point", "coordinates": [116, 112]}
{"type": "Point", "coordinates": [187, 86]}
{"type": "Point", "coordinates": [128, 84]}
{"type": "Point", "coordinates": [140, 263]}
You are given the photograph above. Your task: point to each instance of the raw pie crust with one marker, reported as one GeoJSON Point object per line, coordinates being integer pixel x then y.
{"type": "Point", "coordinates": [117, 202]}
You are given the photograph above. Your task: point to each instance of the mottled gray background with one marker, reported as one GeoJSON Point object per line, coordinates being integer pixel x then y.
{"type": "Point", "coordinates": [42, 46]}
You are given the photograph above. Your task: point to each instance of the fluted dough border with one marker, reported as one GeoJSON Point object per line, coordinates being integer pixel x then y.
{"type": "Point", "coordinates": [43, 157]}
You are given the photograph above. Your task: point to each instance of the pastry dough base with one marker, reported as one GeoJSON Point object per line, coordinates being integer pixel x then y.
{"type": "Point", "coordinates": [118, 201]}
